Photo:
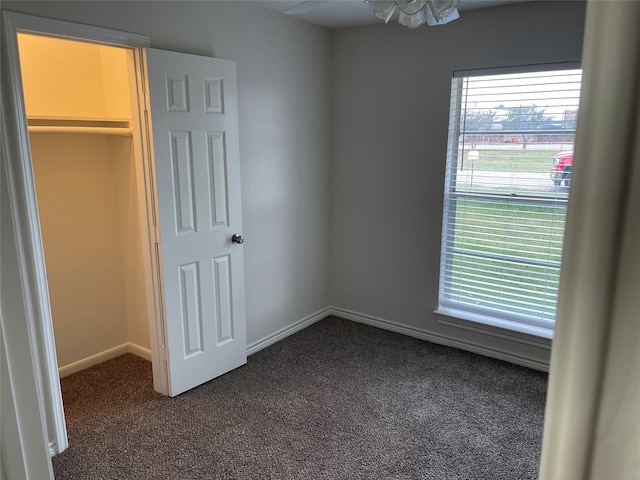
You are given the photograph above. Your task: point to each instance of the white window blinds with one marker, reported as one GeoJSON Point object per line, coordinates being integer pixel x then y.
{"type": "Point", "coordinates": [508, 176]}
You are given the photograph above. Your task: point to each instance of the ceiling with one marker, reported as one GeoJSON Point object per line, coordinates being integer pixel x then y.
{"type": "Point", "coordinates": [349, 13]}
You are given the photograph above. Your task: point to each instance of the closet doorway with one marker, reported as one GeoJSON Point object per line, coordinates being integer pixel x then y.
{"type": "Point", "coordinates": [80, 101]}
{"type": "Point", "coordinates": [174, 167]}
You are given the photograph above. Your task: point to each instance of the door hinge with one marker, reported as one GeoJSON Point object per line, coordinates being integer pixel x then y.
{"type": "Point", "coordinates": [155, 234]}
{"type": "Point", "coordinates": [147, 101]}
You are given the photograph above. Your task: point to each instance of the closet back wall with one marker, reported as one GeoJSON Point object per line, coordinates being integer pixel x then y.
{"type": "Point", "coordinates": [65, 78]}
{"type": "Point", "coordinates": [78, 216]}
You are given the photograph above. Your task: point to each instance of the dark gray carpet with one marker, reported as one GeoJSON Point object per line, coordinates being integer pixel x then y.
{"type": "Point", "coordinates": [338, 400]}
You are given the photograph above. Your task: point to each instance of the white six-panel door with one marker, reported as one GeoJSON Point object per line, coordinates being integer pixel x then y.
{"type": "Point", "coordinates": [193, 102]}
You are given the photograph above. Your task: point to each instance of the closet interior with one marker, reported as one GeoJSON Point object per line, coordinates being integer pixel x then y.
{"type": "Point", "coordinates": [79, 101]}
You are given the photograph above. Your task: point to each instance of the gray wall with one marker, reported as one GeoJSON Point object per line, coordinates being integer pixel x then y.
{"type": "Point", "coordinates": [283, 87]}
{"type": "Point", "coordinates": [390, 99]}
{"type": "Point", "coordinates": [343, 142]}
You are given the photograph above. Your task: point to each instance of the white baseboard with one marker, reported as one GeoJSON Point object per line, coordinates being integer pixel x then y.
{"type": "Point", "coordinates": [474, 347]}
{"type": "Point", "coordinates": [103, 357]}
{"type": "Point", "coordinates": [139, 351]}
{"type": "Point", "coordinates": [93, 360]}
{"type": "Point", "coordinates": [290, 330]}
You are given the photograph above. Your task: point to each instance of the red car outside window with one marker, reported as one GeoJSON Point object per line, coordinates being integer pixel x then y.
{"type": "Point", "coordinates": [561, 168]}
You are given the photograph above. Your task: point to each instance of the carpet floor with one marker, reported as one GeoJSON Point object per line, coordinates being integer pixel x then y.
{"type": "Point", "coordinates": [338, 400]}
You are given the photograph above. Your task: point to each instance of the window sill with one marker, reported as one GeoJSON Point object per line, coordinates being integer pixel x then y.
{"type": "Point", "coordinates": [528, 334]}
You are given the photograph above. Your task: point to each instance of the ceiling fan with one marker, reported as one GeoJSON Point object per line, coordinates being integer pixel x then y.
{"type": "Point", "coordinates": [412, 13]}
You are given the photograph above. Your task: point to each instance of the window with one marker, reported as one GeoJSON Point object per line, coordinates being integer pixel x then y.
{"type": "Point", "coordinates": [509, 162]}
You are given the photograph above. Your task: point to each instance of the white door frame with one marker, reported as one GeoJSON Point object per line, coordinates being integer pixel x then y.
{"type": "Point", "coordinates": [24, 210]}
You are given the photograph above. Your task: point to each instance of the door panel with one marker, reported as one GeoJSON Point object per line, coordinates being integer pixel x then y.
{"type": "Point", "coordinates": [195, 147]}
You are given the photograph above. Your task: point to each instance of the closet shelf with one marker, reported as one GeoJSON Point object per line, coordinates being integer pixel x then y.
{"type": "Point", "coordinates": [99, 126]}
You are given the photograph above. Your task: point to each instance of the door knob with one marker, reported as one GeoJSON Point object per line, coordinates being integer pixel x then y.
{"type": "Point", "coordinates": [239, 239]}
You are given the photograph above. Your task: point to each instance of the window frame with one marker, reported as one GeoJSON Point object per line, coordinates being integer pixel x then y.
{"type": "Point", "coordinates": [508, 326]}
